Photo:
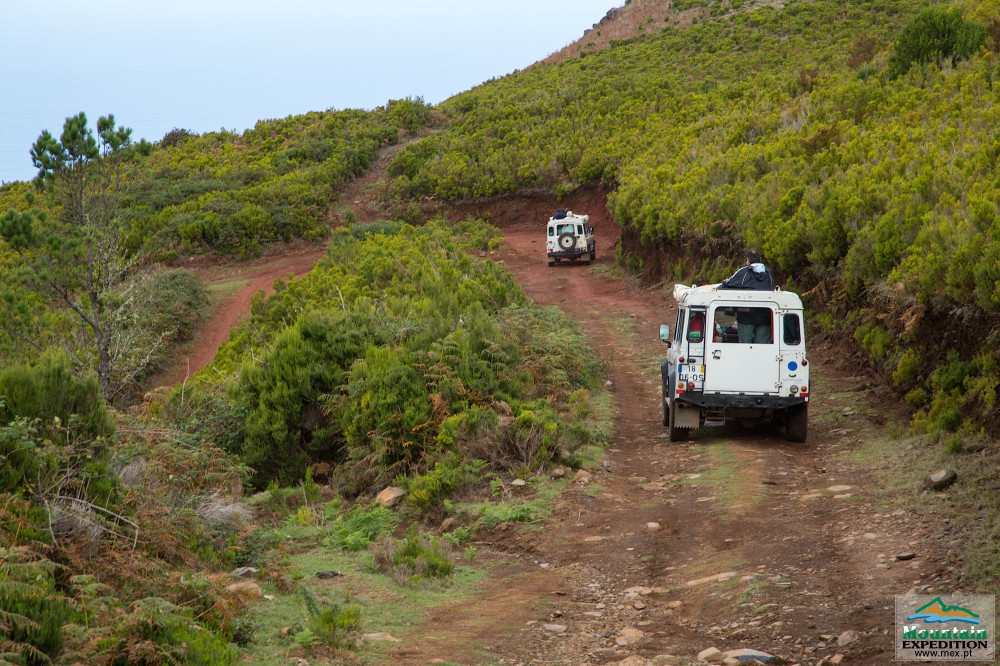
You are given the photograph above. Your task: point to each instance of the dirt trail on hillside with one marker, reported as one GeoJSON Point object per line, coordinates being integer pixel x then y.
{"type": "Point", "coordinates": [261, 273]}
{"type": "Point", "coordinates": [758, 543]}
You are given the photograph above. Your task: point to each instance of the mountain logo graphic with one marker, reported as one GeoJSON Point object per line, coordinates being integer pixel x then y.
{"type": "Point", "coordinates": [937, 611]}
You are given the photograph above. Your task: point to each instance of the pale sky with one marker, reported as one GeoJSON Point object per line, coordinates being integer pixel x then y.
{"type": "Point", "coordinates": [205, 65]}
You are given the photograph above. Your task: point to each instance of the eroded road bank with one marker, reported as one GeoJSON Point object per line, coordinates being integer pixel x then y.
{"type": "Point", "coordinates": [736, 539]}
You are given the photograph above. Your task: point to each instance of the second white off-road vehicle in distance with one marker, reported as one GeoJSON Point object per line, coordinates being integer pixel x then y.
{"type": "Point", "coordinates": [570, 237]}
{"type": "Point", "coordinates": [735, 354]}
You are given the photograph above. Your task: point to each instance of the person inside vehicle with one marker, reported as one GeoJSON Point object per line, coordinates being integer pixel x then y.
{"type": "Point", "coordinates": [753, 325]}
{"type": "Point", "coordinates": [753, 275]}
{"type": "Point", "coordinates": [696, 329]}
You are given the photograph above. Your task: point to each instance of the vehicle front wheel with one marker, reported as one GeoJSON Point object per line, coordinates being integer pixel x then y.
{"type": "Point", "coordinates": [797, 424]}
{"type": "Point", "coordinates": [676, 434]}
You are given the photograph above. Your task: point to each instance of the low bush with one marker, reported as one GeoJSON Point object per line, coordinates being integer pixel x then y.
{"type": "Point", "coordinates": [416, 557]}
{"type": "Point", "coordinates": [359, 527]}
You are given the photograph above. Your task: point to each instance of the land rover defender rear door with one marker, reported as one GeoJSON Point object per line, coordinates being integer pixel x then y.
{"type": "Point", "coordinates": [741, 356]}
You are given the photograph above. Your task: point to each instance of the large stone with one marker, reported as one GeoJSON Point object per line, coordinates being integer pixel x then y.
{"type": "Point", "coordinates": [391, 496]}
{"type": "Point", "coordinates": [940, 480]}
{"type": "Point", "coordinates": [629, 635]}
{"type": "Point", "coordinates": [554, 628]}
{"type": "Point", "coordinates": [582, 476]}
{"type": "Point", "coordinates": [246, 589]}
{"type": "Point", "coordinates": [244, 572]}
{"type": "Point", "coordinates": [847, 638]}
{"type": "Point", "coordinates": [746, 654]}
{"type": "Point", "coordinates": [711, 655]}
{"type": "Point", "coordinates": [635, 660]}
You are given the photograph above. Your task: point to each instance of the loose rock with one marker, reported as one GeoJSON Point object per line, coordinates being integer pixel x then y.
{"type": "Point", "coordinates": [246, 589]}
{"type": "Point", "coordinates": [328, 574]}
{"type": "Point", "coordinates": [652, 527]}
{"type": "Point", "coordinates": [554, 628]}
{"type": "Point", "coordinates": [711, 655]}
{"type": "Point", "coordinates": [746, 654]}
{"type": "Point", "coordinates": [390, 496]}
{"type": "Point", "coordinates": [518, 483]}
{"type": "Point", "coordinates": [908, 555]}
{"type": "Point", "coordinates": [244, 572]}
{"type": "Point", "coordinates": [847, 638]}
{"type": "Point", "coordinates": [940, 480]}
{"type": "Point", "coordinates": [582, 476]}
{"type": "Point", "coordinates": [629, 635]}
{"type": "Point", "coordinates": [635, 660]}
{"type": "Point", "coordinates": [559, 472]}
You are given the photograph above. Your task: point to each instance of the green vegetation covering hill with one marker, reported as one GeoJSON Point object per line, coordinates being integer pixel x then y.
{"type": "Point", "coordinates": [398, 352]}
{"type": "Point", "coordinates": [853, 143]}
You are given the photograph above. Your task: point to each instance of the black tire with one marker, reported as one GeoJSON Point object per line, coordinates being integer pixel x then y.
{"type": "Point", "coordinates": [666, 413]}
{"type": "Point", "coordinates": [676, 434]}
{"type": "Point", "coordinates": [797, 425]}
{"type": "Point", "coordinates": [552, 262]}
{"type": "Point", "coordinates": [593, 253]}
{"type": "Point", "coordinates": [566, 242]}
{"type": "Point", "coordinates": [586, 259]}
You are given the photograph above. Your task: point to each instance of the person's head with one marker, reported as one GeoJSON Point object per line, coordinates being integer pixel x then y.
{"type": "Point", "coordinates": [753, 257]}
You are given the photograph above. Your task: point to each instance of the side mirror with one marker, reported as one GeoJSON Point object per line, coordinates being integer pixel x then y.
{"type": "Point", "coordinates": [665, 333]}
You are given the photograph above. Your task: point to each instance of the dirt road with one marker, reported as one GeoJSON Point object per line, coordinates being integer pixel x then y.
{"type": "Point", "coordinates": [736, 539]}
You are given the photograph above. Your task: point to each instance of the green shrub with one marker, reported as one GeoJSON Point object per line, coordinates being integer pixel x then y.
{"type": "Point", "coordinates": [412, 558]}
{"type": "Point", "coordinates": [916, 398]}
{"type": "Point", "coordinates": [447, 476]}
{"type": "Point", "coordinates": [951, 375]}
{"type": "Point", "coordinates": [155, 632]}
{"type": "Point", "coordinates": [356, 529]}
{"type": "Point", "coordinates": [34, 612]}
{"type": "Point", "coordinates": [875, 340]}
{"type": "Point", "coordinates": [329, 623]}
{"type": "Point", "coordinates": [285, 429]}
{"type": "Point", "coordinates": [934, 35]}
{"type": "Point", "coordinates": [50, 390]}
{"type": "Point", "coordinates": [907, 368]}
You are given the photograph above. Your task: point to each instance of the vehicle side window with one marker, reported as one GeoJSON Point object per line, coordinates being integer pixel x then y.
{"type": "Point", "coordinates": [679, 328]}
{"type": "Point", "coordinates": [552, 231]}
{"type": "Point", "coordinates": [696, 327]}
{"type": "Point", "coordinates": [792, 330]}
{"type": "Point", "coordinates": [579, 229]}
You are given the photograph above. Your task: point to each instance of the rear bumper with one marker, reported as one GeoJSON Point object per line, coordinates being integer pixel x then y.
{"type": "Point", "coordinates": [567, 253]}
{"type": "Point", "coordinates": [741, 401]}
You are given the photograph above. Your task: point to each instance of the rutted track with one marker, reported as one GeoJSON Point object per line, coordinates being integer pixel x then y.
{"type": "Point", "coordinates": [760, 543]}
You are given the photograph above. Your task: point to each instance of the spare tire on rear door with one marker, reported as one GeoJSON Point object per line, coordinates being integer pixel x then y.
{"type": "Point", "coordinates": [567, 241]}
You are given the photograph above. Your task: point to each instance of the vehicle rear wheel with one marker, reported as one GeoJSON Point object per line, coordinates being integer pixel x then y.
{"type": "Point", "coordinates": [587, 258]}
{"type": "Point", "coordinates": [676, 434]}
{"type": "Point", "coordinates": [593, 253]}
{"type": "Point", "coordinates": [666, 413]}
{"type": "Point", "coordinates": [552, 262]}
{"type": "Point", "coordinates": [797, 425]}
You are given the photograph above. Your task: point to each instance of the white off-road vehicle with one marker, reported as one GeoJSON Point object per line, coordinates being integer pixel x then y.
{"type": "Point", "coordinates": [570, 237]}
{"type": "Point", "coordinates": [735, 355]}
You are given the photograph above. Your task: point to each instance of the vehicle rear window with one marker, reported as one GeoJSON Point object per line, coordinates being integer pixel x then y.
{"type": "Point", "coordinates": [746, 325]}
{"type": "Point", "coordinates": [792, 329]}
